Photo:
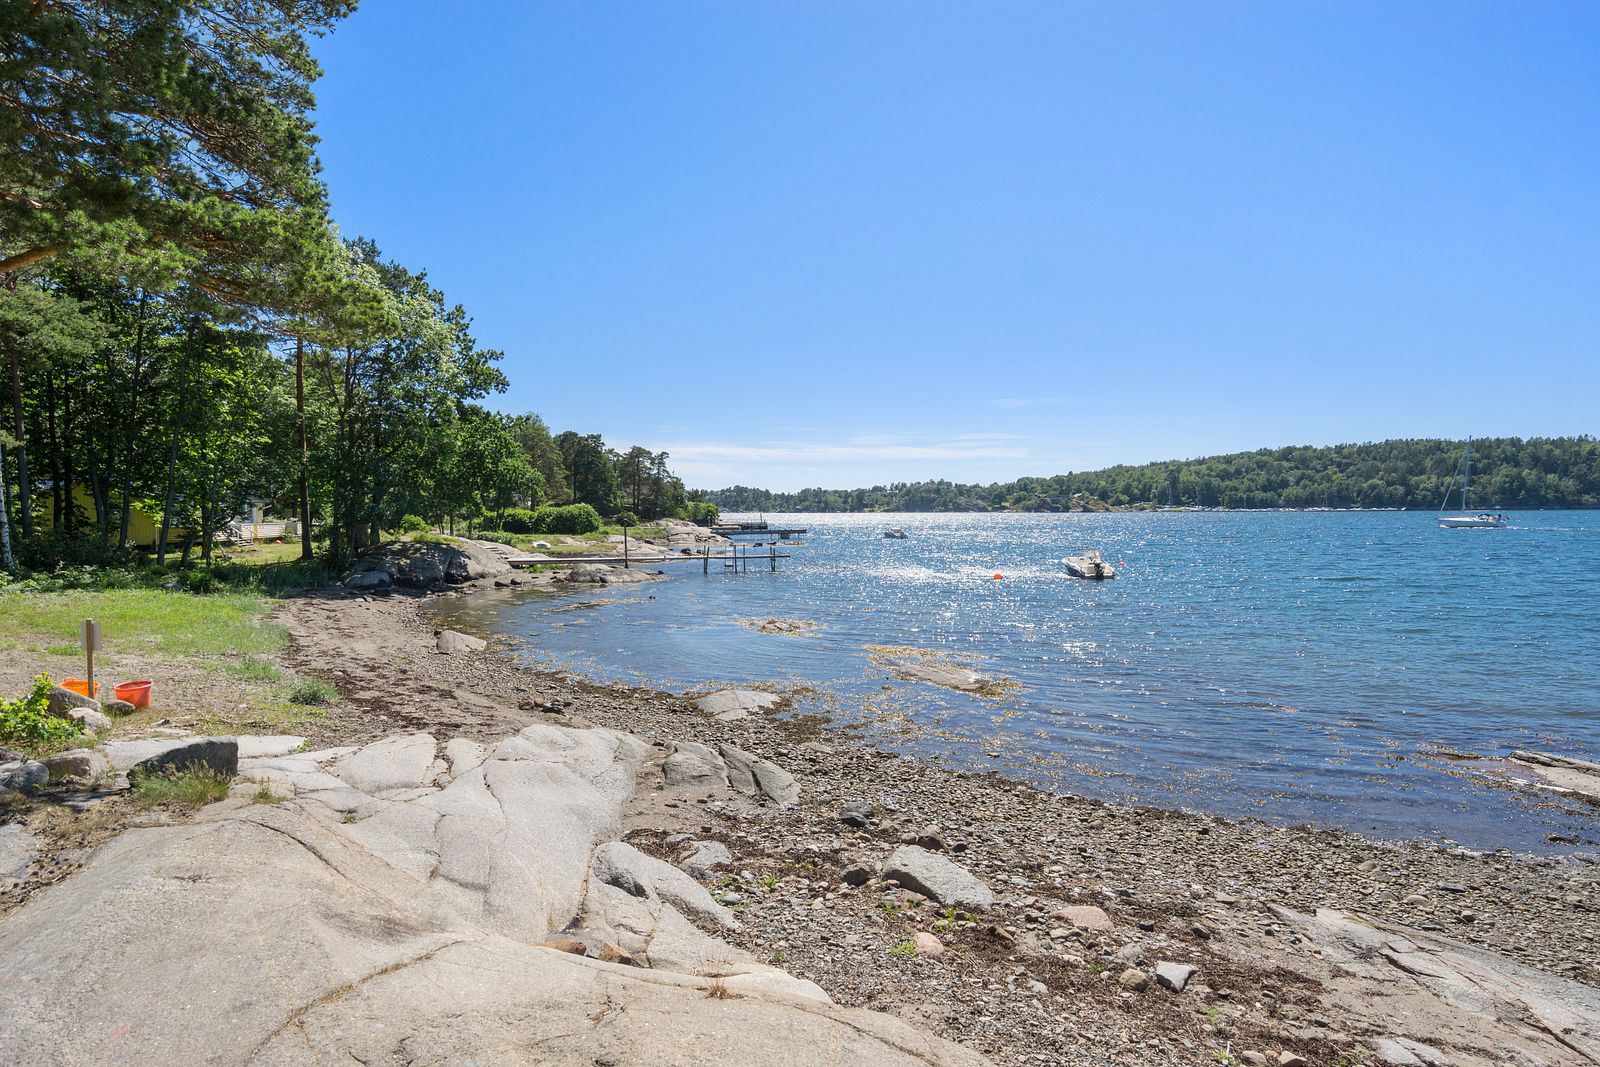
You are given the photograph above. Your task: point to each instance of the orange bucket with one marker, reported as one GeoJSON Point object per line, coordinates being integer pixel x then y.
{"type": "Point", "coordinates": [135, 693]}
{"type": "Point", "coordinates": [79, 686]}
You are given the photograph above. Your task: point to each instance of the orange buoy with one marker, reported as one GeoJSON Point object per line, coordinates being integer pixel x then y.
{"type": "Point", "coordinates": [998, 577]}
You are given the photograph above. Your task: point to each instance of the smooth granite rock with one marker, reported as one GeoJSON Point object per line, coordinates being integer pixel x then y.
{"type": "Point", "coordinates": [270, 934]}
{"type": "Point", "coordinates": [694, 766]}
{"type": "Point", "coordinates": [937, 878]}
{"type": "Point", "coordinates": [725, 701]}
{"type": "Point", "coordinates": [451, 643]}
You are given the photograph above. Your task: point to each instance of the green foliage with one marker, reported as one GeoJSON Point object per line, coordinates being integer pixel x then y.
{"type": "Point", "coordinates": [28, 723]}
{"type": "Point", "coordinates": [570, 519]}
{"type": "Point", "coordinates": [703, 512]}
{"type": "Point", "coordinates": [518, 520]}
{"type": "Point", "coordinates": [625, 519]}
{"type": "Point", "coordinates": [904, 948]}
{"type": "Point", "coordinates": [497, 537]}
{"type": "Point", "coordinates": [312, 692]}
{"type": "Point", "coordinates": [413, 524]}
{"type": "Point", "coordinates": [186, 788]}
{"type": "Point", "coordinates": [1508, 472]}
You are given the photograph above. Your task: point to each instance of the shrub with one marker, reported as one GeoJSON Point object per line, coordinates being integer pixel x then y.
{"type": "Point", "coordinates": [625, 519]}
{"type": "Point", "coordinates": [414, 524]}
{"type": "Point", "coordinates": [311, 692]}
{"type": "Point", "coordinates": [189, 787]}
{"type": "Point", "coordinates": [28, 721]}
{"type": "Point", "coordinates": [703, 512]}
{"type": "Point", "coordinates": [518, 520]}
{"type": "Point", "coordinates": [570, 519]}
{"type": "Point", "coordinates": [497, 537]}
{"type": "Point", "coordinates": [199, 580]}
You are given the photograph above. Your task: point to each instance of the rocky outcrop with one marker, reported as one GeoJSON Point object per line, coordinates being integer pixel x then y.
{"type": "Point", "coordinates": [936, 878]}
{"type": "Point", "coordinates": [426, 564]}
{"type": "Point", "coordinates": [1439, 985]}
{"type": "Point", "coordinates": [410, 924]}
{"type": "Point", "coordinates": [603, 574]}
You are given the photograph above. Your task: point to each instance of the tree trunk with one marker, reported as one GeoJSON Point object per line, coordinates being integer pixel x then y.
{"type": "Point", "coordinates": [6, 559]}
{"type": "Point", "coordinates": [300, 431]}
{"type": "Point", "coordinates": [130, 429]}
{"type": "Point", "coordinates": [58, 499]}
{"type": "Point", "coordinates": [172, 457]}
{"type": "Point", "coordinates": [24, 493]}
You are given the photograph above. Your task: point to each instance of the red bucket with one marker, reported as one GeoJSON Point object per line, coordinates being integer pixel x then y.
{"type": "Point", "coordinates": [135, 693]}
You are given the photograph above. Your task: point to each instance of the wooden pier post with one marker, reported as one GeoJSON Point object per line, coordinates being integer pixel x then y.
{"type": "Point", "coordinates": [772, 558]}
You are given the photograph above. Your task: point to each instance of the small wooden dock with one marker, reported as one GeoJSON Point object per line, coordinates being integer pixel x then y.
{"type": "Point", "coordinates": [752, 529]}
{"type": "Point", "coordinates": [739, 559]}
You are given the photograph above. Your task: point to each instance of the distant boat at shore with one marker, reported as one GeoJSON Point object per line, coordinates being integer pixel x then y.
{"type": "Point", "coordinates": [1466, 521]}
{"type": "Point", "coordinates": [1089, 565]}
{"type": "Point", "coordinates": [895, 534]}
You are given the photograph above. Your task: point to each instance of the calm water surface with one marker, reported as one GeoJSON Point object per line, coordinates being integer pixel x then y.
{"type": "Point", "coordinates": [1298, 667]}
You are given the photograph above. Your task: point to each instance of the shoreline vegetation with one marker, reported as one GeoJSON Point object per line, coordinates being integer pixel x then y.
{"type": "Point", "coordinates": [1510, 473]}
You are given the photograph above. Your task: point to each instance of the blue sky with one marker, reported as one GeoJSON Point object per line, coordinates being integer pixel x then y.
{"type": "Point", "coordinates": [839, 244]}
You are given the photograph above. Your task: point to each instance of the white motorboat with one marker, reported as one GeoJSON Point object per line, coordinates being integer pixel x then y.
{"type": "Point", "coordinates": [1089, 565]}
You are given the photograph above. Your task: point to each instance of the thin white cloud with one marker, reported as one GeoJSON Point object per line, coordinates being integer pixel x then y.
{"type": "Point", "coordinates": [798, 452]}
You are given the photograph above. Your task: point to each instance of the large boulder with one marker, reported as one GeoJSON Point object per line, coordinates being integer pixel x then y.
{"type": "Point", "coordinates": [162, 754]}
{"type": "Point", "coordinates": [752, 774]}
{"type": "Point", "coordinates": [452, 643]}
{"type": "Point", "coordinates": [62, 702]}
{"type": "Point", "coordinates": [22, 776]}
{"type": "Point", "coordinates": [355, 928]}
{"type": "Point", "coordinates": [691, 765]}
{"type": "Point", "coordinates": [937, 878]}
{"type": "Point", "coordinates": [76, 763]}
{"type": "Point", "coordinates": [91, 720]}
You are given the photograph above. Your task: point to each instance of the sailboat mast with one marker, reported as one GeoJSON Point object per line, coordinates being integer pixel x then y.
{"type": "Point", "coordinates": [1466, 476]}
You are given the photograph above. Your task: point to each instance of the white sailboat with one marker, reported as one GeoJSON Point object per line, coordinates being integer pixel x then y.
{"type": "Point", "coordinates": [1466, 521]}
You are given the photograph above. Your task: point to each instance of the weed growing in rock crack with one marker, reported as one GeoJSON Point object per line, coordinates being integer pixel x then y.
{"type": "Point", "coordinates": [778, 957]}
{"type": "Point", "coordinates": [265, 795]}
{"type": "Point", "coordinates": [188, 788]}
{"type": "Point", "coordinates": [904, 948]}
{"type": "Point", "coordinates": [349, 816]}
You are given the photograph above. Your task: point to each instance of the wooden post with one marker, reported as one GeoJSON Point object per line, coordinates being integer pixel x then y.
{"type": "Point", "coordinates": [624, 548]}
{"type": "Point", "coordinates": [772, 557]}
{"type": "Point", "coordinates": [705, 564]}
{"type": "Point", "coordinates": [90, 635]}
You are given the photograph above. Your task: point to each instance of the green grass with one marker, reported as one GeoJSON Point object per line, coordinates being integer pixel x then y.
{"type": "Point", "coordinates": [255, 669]}
{"type": "Point", "coordinates": [146, 620]}
{"type": "Point", "coordinates": [265, 795]}
{"type": "Point", "coordinates": [313, 692]}
{"type": "Point", "coordinates": [187, 789]}
{"type": "Point", "coordinates": [904, 948]}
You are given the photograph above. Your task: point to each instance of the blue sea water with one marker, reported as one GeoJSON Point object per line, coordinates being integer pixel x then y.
{"type": "Point", "coordinates": [1297, 667]}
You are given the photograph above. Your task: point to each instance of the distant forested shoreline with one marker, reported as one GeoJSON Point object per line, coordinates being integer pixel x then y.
{"type": "Point", "coordinates": [1507, 472]}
